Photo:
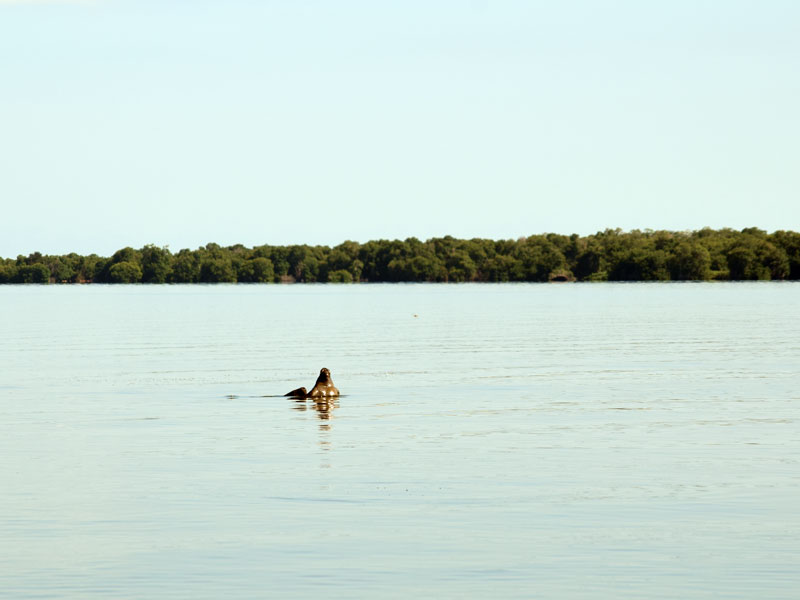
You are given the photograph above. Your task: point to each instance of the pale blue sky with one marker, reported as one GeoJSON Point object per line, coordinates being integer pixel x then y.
{"type": "Point", "coordinates": [185, 122]}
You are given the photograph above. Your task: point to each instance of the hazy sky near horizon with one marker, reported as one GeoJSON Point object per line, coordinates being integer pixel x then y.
{"type": "Point", "coordinates": [128, 122]}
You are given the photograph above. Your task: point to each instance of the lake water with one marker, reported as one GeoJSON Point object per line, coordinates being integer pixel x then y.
{"type": "Point", "coordinates": [514, 441]}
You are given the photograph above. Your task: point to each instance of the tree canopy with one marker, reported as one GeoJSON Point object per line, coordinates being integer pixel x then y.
{"type": "Point", "coordinates": [610, 255]}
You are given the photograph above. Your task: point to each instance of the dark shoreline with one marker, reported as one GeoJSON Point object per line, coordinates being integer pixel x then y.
{"type": "Point", "coordinates": [610, 255]}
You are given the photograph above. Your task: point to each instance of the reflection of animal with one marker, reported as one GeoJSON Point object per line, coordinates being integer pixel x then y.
{"type": "Point", "coordinates": [323, 388]}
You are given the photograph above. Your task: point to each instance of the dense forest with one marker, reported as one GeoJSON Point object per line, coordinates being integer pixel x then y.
{"type": "Point", "coordinates": [610, 255]}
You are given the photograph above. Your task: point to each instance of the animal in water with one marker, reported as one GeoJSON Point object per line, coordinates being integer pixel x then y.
{"type": "Point", "coordinates": [323, 388]}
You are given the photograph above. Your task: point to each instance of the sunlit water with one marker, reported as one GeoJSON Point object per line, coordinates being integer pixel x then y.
{"type": "Point", "coordinates": [560, 441]}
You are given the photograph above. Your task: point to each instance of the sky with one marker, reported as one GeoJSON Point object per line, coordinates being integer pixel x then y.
{"type": "Point", "coordinates": [178, 123]}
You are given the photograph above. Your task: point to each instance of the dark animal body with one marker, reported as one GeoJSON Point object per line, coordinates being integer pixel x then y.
{"type": "Point", "coordinates": [323, 388]}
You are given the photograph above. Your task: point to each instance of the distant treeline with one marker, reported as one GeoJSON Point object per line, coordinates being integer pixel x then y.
{"type": "Point", "coordinates": [610, 255]}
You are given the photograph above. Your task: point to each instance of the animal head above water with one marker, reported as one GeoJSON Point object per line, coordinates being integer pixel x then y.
{"type": "Point", "coordinates": [324, 376]}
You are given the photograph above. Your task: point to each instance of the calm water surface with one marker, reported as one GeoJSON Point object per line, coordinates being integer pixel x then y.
{"type": "Point", "coordinates": [557, 441]}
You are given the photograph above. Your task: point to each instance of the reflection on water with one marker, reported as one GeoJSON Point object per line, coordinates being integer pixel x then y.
{"type": "Point", "coordinates": [323, 407]}
{"type": "Point", "coordinates": [570, 441]}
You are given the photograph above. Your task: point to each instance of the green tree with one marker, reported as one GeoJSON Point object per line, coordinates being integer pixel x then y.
{"type": "Point", "coordinates": [460, 267]}
{"type": "Point", "coordinates": [343, 257]}
{"type": "Point", "coordinates": [32, 273]}
{"type": "Point", "coordinates": [185, 267]}
{"type": "Point", "coordinates": [689, 261]}
{"type": "Point", "coordinates": [217, 270]}
{"type": "Point", "coordinates": [340, 276]}
{"type": "Point", "coordinates": [125, 272]}
{"type": "Point", "coordinates": [753, 257]}
{"type": "Point", "coordinates": [639, 264]}
{"type": "Point", "coordinates": [156, 264]}
{"type": "Point", "coordinates": [8, 272]}
{"type": "Point", "coordinates": [256, 270]}
{"type": "Point", "coordinates": [539, 258]}
{"type": "Point", "coordinates": [588, 259]}
{"type": "Point", "coordinates": [611, 254]}
{"type": "Point", "coordinates": [61, 268]}
{"type": "Point", "coordinates": [86, 267]}
{"type": "Point", "coordinates": [103, 268]}
{"type": "Point", "coordinates": [502, 267]}
{"type": "Point", "coordinates": [774, 259]}
{"type": "Point", "coordinates": [279, 256]}
{"type": "Point", "coordinates": [789, 242]}
{"type": "Point", "coordinates": [416, 269]}
{"type": "Point", "coordinates": [742, 264]}
{"type": "Point", "coordinates": [304, 263]}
